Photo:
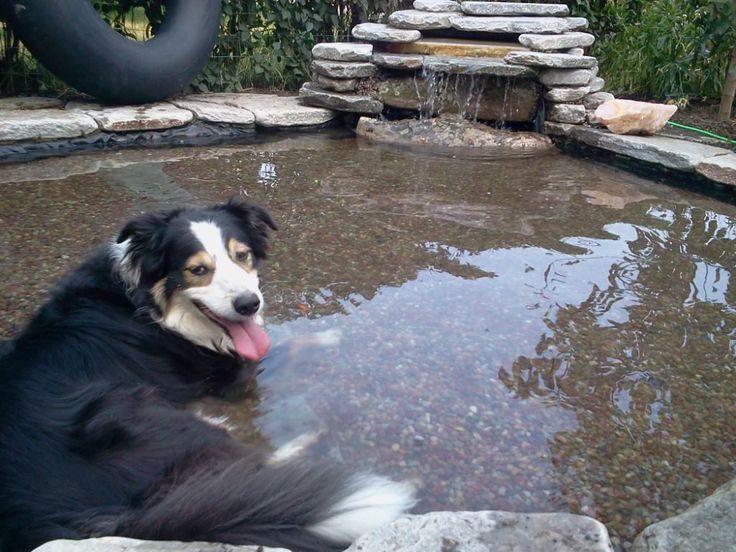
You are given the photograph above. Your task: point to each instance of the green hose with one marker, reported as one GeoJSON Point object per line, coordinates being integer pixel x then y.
{"type": "Point", "coordinates": [704, 132]}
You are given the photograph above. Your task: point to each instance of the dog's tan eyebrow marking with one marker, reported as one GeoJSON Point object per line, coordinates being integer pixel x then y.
{"type": "Point", "coordinates": [199, 259]}
{"type": "Point", "coordinates": [235, 247]}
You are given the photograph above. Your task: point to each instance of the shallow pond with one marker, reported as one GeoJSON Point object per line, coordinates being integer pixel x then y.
{"type": "Point", "coordinates": [526, 334]}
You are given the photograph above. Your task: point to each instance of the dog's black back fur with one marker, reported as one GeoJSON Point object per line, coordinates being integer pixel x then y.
{"type": "Point", "coordinates": [94, 440]}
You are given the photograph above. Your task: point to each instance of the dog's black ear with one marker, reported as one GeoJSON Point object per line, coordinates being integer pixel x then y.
{"type": "Point", "coordinates": [144, 258]}
{"type": "Point", "coordinates": [255, 221]}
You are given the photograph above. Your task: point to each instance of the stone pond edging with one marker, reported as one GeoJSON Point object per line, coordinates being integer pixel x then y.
{"type": "Point", "coordinates": [432, 532]}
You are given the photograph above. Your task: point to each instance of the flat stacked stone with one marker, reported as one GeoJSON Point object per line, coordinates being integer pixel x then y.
{"type": "Point", "coordinates": [437, 5]}
{"type": "Point", "coordinates": [592, 101]}
{"type": "Point", "coordinates": [565, 95]}
{"type": "Point", "coordinates": [518, 25]}
{"type": "Point", "coordinates": [575, 51]}
{"type": "Point", "coordinates": [344, 69]}
{"type": "Point", "coordinates": [340, 66]}
{"type": "Point", "coordinates": [562, 77]}
{"type": "Point", "coordinates": [312, 94]}
{"type": "Point", "coordinates": [597, 84]}
{"type": "Point", "coordinates": [476, 66]}
{"type": "Point", "coordinates": [420, 20]}
{"type": "Point", "coordinates": [337, 85]}
{"type": "Point", "coordinates": [514, 8]}
{"type": "Point", "coordinates": [566, 113]}
{"type": "Point", "coordinates": [377, 32]}
{"type": "Point", "coordinates": [558, 61]}
{"type": "Point", "coordinates": [544, 42]}
{"type": "Point", "coordinates": [407, 62]}
{"type": "Point", "coordinates": [342, 51]}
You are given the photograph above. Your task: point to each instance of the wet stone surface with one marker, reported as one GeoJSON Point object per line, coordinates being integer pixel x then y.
{"type": "Point", "coordinates": [547, 336]}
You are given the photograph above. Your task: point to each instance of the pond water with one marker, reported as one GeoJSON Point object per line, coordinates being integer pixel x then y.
{"type": "Point", "coordinates": [524, 334]}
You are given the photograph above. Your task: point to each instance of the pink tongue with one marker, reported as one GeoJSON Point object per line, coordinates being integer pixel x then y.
{"type": "Point", "coordinates": [250, 340]}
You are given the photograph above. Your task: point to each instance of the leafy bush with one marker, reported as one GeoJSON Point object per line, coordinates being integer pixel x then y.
{"type": "Point", "coordinates": [661, 48]}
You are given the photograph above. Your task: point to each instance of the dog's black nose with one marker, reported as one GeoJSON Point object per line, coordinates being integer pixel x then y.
{"type": "Point", "coordinates": [247, 304]}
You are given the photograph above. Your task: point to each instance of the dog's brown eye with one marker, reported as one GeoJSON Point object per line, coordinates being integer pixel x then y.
{"type": "Point", "coordinates": [242, 256]}
{"type": "Point", "coordinates": [199, 270]}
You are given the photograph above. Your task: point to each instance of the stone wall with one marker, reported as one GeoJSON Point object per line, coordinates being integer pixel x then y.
{"type": "Point", "coordinates": [497, 61]}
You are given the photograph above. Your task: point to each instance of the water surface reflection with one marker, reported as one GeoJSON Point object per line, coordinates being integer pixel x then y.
{"type": "Point", "coordinates": [539, 334]}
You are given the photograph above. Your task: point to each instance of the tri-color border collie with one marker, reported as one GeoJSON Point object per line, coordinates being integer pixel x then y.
{"type": "Point", "coordinates": [94, 437]}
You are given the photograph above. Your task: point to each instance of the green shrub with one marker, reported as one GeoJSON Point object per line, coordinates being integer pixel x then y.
{"type": "Point", "coordinates": [660, 48]}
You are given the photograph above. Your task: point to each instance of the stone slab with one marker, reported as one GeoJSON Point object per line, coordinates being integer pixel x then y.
{"type": "Point", "coordinates": [124, 544]}
{"type": "Point", "coordinates": [721, 169]}
{"type": "Point", "coordinates": [420, 20]}
{"type": "Point", "coordinates": [707, 525]}
{"type": "Point", "coordinates": [128, 118]}
{"type": "Point", "coordinates": [314, 95]}
{"type": "Point", "coordinates": [566, 113]}
{"type": "Point", "coordinates": [338, 85]}
{"type": "Point", "coordinates": [569, 94]}
{"type": "Point", "coordinates": [487, 531]}
{"type": "Point", "coordinates": [575, 51]}
{"type": "Point", "coordinates": [342, 51]}
{"type": "Point", "coordinates": [565, 77]}
{"type": "Point", "coordinates": [557, 129]}
{"type": "Point", "coordinates": [437, 5]}
{"type": "Point", "coordinates": [514, 8]}
{"type": "Point", "coordinates": [344, 69]}
{"type": "Point", "coordinates": [274, 111]}
{"type": "Point", "coordinates": [597, 84]}
{"type": "Point", "coordinates": [555, 61]}
{"type": "Point", "coordinates": [456, 47]}
{"type": "Point", "coordinates": [475, 66]}
{"type": "Point", "coordinates": [515, 25]}
{"type": "Point", "coordinates": [496, 103]}
{"type": "Point", "coordinates": [30, 102]}
{"type": "Point", "coordinates": [668, 152]}
{"type": "Point", "coordinates": [408, 62]}
{"type": "Point", "coordinates": [557, 42]}
{"type": "Point", "coordinates": [216, 113]}
{"type": "Point", "coordinates": [592, 101]}
{"type": "Point", "coordinates": [377, 32]}
{"type": "Point", "coordinates": [44, 124]}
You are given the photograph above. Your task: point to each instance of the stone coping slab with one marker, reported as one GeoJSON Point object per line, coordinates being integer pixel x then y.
{"type": "Point", "coordinates": [476, 66]}
{"type": "Point", "coordinates": [487, 531]}
{"type": "Point", "coordinates": [705, 526]}
{"type": "Point", "coordinates": [514, 8]}
{"type": "Point", "coordinates": [124, 544]}
{"type": "Point", "coordinates": [456, 47]}
{"type": "Point", "coordinates": [216, 113]}
{"type": "Point", "coordinates": [44, 124]}
{"type": "Point", "coordinates": [30, 102]}
{"type": "Point", "coordinates": [377, 32]}
{"type": "Point", "coordinates": [420, 20]}
{"type": "Point", "coordinates": [518, 25]}
{"type": "Point", "coordinates": [271, 110]}
{"type": "Point", "coordinates": [127, 118]}
{"type": "Point", "coordinates": [717, 164]}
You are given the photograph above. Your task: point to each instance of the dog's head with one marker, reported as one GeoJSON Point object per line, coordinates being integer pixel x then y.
{"type": "Point", "coordinates": [199, 271]}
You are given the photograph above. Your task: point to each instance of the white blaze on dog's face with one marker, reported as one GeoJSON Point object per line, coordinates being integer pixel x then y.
{"type": "Point", "coordinates": [205, 286]}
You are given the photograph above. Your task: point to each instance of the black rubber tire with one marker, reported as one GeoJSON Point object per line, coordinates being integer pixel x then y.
{"type": "Point", "coordinates": [73, 42]}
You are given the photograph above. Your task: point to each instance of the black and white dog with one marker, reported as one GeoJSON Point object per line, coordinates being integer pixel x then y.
{"type": "Point", "coordinates": [94, 439]}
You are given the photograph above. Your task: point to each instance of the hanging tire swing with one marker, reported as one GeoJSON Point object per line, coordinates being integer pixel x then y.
{"type": "Point", "coordinates": [73, 42]}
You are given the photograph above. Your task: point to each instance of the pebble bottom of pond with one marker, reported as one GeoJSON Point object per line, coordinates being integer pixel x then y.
{"type": "Point", "coordinates": [542, 334]}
